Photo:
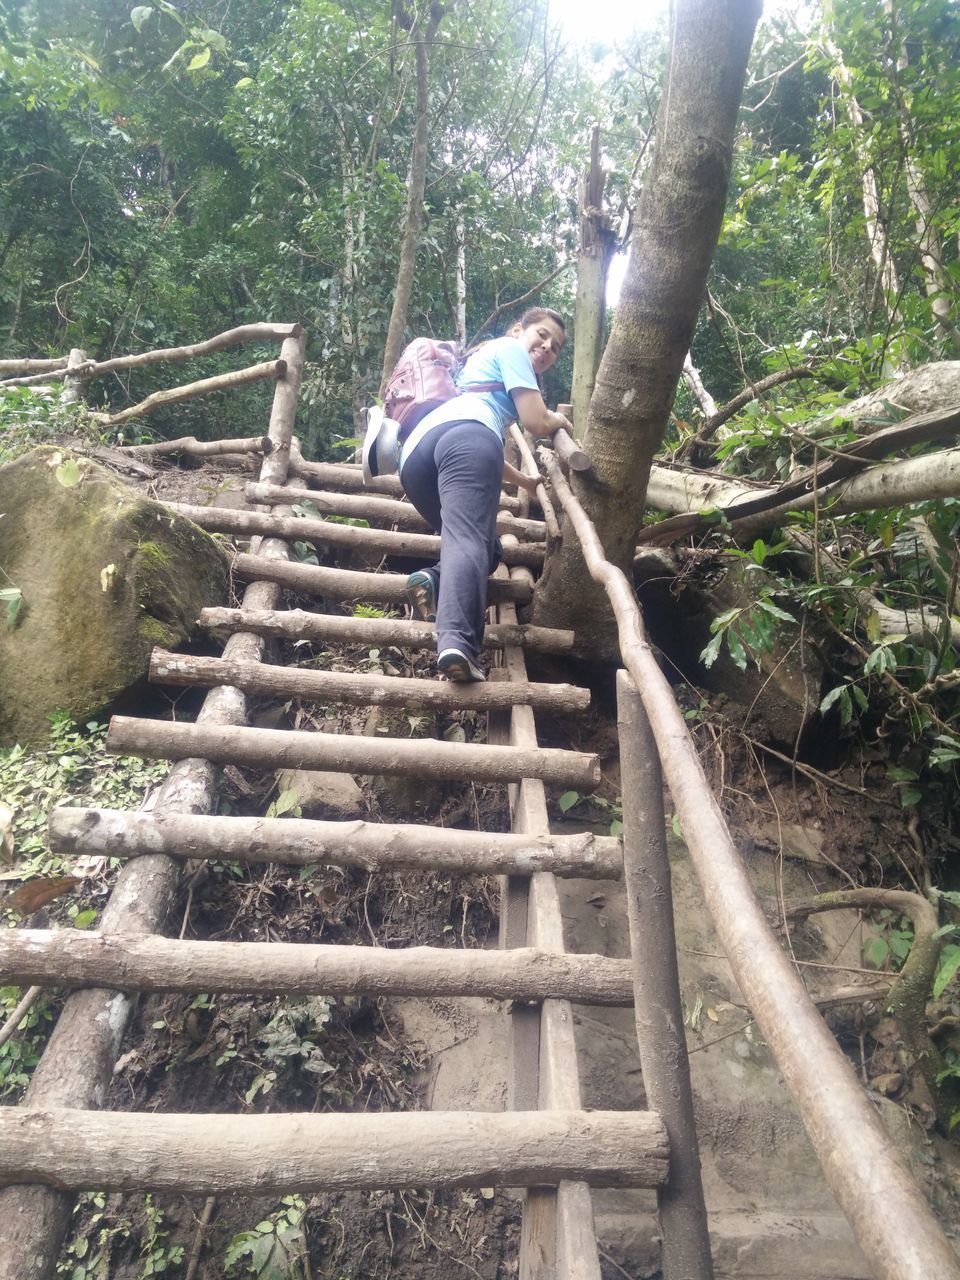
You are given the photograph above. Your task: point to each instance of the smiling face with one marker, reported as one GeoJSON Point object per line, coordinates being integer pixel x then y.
{"type": "Point", "coordinates": [543, 339]}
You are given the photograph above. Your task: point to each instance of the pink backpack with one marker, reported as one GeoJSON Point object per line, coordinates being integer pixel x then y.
{"type": "Point", "coordinates": [424, 379]}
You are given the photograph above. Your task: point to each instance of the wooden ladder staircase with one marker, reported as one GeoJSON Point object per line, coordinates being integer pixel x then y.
{"type": "Point", "coordinates": [59, 1142]}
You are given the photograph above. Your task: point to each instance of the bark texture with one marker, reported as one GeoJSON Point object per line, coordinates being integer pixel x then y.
{"type": "Point", "coordinates": [677, 228]}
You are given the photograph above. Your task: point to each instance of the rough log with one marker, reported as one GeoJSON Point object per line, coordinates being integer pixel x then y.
{"type": "Point", "coordinates": [348, 584]}
{"type": "Point", "coordinates": [685, 1247]}
{"type": "Point", "coordinates": [558, 1239]}
{"type": "Point", "coordinates": [372, 507]}
{"type": "Point", "coordinates": [174, 395]}
{"type": "Point", "coordinates": [349, 476]}
{"type": "Point", "coordinates": [303, 842]}
{"type": "Point", "coordinates": [216, 1154]}
{"type": "Point", "coordinates": [890, 1217]}
{"type": "Point", "coordinates": [891, 484]}
{"type": "Point", "coordinates": [298, 624]}
{"type": "Point", "coordinates": [231, 338]}
{"type": "Point", "coordinates": [530, 468]}
{"type": "Point", "coordinates": [687, 491]}
{"type": "Point", "coordinates": [202, 448]}
{"type": "Point", "coordinates": [75, 958]}
{"type": "Point", "coordinates": [93, 369]}
{"type": "Point", "coordinates": [33, 366]}
{"type": "Point", "coordinates": [393, 757]}
{"type": "Point", "coordinates": [326, 533]}
{"type": "Point", "coordinates": [569, 451]}
{"type": "Point", "coordinates": [36, 379]}
{"type": "Point", "coordinates": [352, 689]}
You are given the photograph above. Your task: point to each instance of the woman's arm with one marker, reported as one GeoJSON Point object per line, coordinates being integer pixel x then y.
{"type": "Point", "coordinates": [534, 415]}
{"type": "Point", "coordinates": [512, 476]}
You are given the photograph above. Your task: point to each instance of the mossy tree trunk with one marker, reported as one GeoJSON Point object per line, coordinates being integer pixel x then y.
{"type": "Point", "coordinates": [679, 220]}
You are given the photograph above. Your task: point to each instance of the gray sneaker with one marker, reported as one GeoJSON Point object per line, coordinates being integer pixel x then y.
{"type": "Point", "coordinates": [422, 595]}
{"type": "Point", "coordinates": [456, 666]}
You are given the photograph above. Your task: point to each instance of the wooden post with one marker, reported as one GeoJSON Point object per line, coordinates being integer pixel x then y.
{"type": "Point", "coordinates": [72, 391]}
{"type": "Point", "coordinates": [685, 1247]}
{"type": "Point", "coordinates": [597, 246]}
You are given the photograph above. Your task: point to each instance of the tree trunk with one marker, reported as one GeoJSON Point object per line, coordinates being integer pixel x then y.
{"type": "Point", "coordinates": [679, 221]}
{"type": "Point", "coordinates": [876, 230]}
{"type": "Point", "coordinates": [597, 243]}
{"type": "Point", "coordinates": [414, 216]}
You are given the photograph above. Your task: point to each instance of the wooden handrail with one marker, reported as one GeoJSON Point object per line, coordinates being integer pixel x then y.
{"type": "Point", "coordinates": [892, 1222]}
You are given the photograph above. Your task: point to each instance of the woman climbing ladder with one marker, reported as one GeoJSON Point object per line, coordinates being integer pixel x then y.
{"type": "Point", "coordinates": [452, 468]}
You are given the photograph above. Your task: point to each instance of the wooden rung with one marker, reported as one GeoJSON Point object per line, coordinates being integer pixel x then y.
{"type": "Point", "coordinates": [352, 689]}
{"type": "Point", "coordinates": [326, 533]}
{"type": "Point", "coordinates": [374, 507]}
{"type": "Point", "coordinates": [375, 846]}
{"type": "Point", "coordinates": [348, 476]}
{"type": "Point", "coordinates": [344, 753]}
{"type": "Point", "coordinates": [299, 624]}
{"type": "Point", "coordinates": [348, 584]}
{"type": "Point", "coordinates": [306, 1152]}
{"type": "Point", "coordinates": [76, 958]}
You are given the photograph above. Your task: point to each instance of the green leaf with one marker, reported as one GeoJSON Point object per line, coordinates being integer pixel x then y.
{"type": "Point", "coordinates": [949, 965]}
{"type": "Point", "coordinates": [243, 82]}
{"type": "Point", "coordinates": [759, 550]}
{"type": "Point", "coordinates": [68, 473]}
{"type": "Point", "coordinates": [723, 619]}
{"type": "Point", "coordinates": [710, 654]}
{"type": "Point", "coordinates": [737, 651]}
{"type": "Point", "coordinates": [284, 802]}
{"type": "Point", "coordinates": [875, 951]}
{"type": "Point", "coordinates": [199, 60]}
{"type": "Point", "coordinates": [568, 800]}
{"type": "Point", "coordinates": [830, 698]}
{"type": "Point", "coordinates": [140, 15]}
{"type": "Point", "coordinates": [775, 611]}
{"type": "Point", "coordinates": [616, 827]}
{"type": "Point", "coordinates": [12, 597]}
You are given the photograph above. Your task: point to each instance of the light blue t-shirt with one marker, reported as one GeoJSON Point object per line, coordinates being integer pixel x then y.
{"type": "Point", "coordinates": [503, 360]}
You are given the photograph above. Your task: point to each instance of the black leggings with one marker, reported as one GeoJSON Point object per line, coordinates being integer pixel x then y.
{"type": "Point", "coordinates": [454, 478]}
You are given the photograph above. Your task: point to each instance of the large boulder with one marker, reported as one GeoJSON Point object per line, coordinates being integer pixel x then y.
{"type": "Point", "coordinates": [104, 574]}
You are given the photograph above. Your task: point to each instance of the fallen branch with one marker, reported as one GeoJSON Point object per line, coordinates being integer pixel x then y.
{"type": "Point", "coordinates": [753, 392]}
{"type": "Point", "coordinates": [690, 493]}
{"type": "Point", "coordinates": [174, 395]}
{"type": "Point", "coordinates": [202, 448]}
{"type": "Point", "coordinates": [27, 1001]}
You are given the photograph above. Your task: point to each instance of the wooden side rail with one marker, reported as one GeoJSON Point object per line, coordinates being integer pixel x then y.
{"type": "Point", "coordinates": [893, 1223]}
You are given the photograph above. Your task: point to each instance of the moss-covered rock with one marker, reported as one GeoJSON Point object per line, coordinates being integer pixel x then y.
{"type": "Point", "coordinates": [105, 575]}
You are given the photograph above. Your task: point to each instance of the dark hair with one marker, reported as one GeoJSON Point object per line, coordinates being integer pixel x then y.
{"type": "Point", "coordinates": [535, 314]}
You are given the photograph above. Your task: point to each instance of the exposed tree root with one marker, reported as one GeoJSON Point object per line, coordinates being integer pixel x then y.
{"type": "Point", "coordinates": [911, 987]}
